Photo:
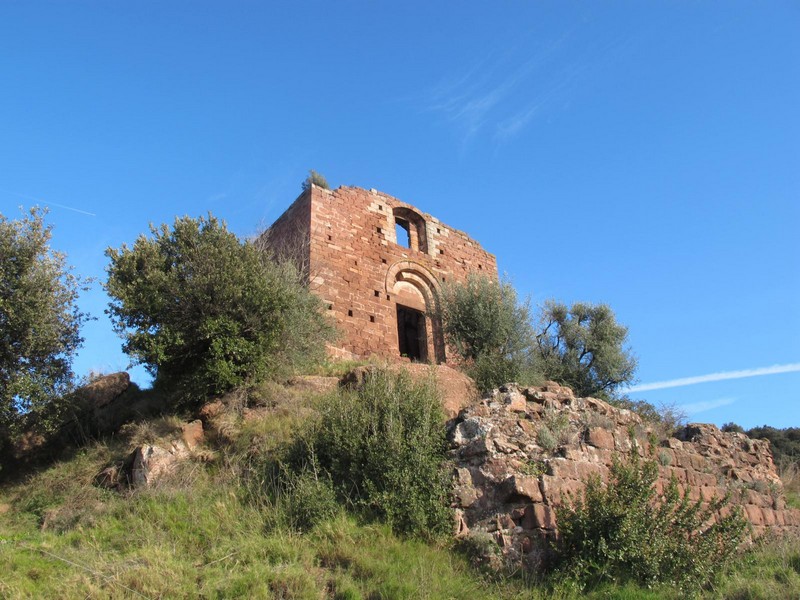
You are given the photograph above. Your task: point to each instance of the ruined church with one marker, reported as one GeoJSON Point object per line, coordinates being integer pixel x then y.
{"type": "Point", "coordinates": [378, 264]}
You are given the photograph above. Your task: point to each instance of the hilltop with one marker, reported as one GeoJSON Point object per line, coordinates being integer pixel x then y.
{"type": "Point", "coordinates": [179, 505]}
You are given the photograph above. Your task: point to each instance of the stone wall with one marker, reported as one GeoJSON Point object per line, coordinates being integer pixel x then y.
{"type": "Point", "coordinates": [357, 265]}
{"type": "Point", "coordinates": [512, 475]}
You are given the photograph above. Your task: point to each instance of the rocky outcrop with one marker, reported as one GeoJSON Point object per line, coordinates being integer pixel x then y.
{"type": "Point", "coordinates": [150, 463]}
{"type": "Point", "coordinates": [521, 451]}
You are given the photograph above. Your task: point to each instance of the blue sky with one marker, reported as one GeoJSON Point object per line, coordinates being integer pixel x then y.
{"type": "Point", "coordinates": [646, 155]}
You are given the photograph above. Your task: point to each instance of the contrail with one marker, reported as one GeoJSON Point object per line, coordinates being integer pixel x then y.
{"type": "Point", "coordinates": [660, 385]}
{"type": "Point", "coordinates": [26, 197]}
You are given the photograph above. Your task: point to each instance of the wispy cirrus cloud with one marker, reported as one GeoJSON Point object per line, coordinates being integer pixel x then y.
{"type": "Point", "coordinates": [478, 97]}
{"type": "Point", "coordinates": [694, 408]}
{"type": "Point", "coordinates": [721, 376]}
{"type": "Point", "coordinates": [505, 91]}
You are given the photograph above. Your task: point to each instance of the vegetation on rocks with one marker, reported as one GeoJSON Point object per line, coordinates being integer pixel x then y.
{"type": "Point", "coordinates": [623, 532]}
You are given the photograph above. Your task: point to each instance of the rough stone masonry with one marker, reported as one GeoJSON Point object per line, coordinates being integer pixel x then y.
{"type": "Point", "coordinates": [378, 264]}
{"type": "Point", "coordinates": [511, 477]}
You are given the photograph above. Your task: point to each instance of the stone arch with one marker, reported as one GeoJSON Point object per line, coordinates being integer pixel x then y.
{"type": "Point", "coordinates": [413, 222]}
{"type": "Point", "coordinates": [412, 285]}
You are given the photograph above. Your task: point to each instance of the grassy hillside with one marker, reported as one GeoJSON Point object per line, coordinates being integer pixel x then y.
{"type": "Point", "coordinates": [205, 532]}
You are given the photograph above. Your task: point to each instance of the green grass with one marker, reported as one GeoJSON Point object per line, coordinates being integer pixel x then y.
{"type": "Point", "coordinates": [202, 535]}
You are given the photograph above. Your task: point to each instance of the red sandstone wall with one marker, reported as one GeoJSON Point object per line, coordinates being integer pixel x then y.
{"type": "Point", "coordinates": [355, 263]}
{"type": "Point", "coordinates": [289, 236]}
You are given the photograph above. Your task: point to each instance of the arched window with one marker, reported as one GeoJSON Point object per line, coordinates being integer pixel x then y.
{"type": "Point", "coordinates": [410, 229]}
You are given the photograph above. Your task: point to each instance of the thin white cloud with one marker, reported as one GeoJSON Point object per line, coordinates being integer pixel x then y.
{"type": "Point", "coordinates": [48, 203]}
{"type": "Point", "coordinates": [660, 385]}
{"type": "Point", "coordinates": [706, 405]}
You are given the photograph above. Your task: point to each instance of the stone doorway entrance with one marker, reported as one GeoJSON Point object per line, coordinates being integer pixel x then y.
{"type": "Point", "coordinates": [411, 333]}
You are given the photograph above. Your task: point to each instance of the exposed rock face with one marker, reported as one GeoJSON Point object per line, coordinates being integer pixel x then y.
{"type": "Point", "coordinates": [153, 462]}
{"type": "Point", "coordinates": [104, 390]}
{"type": "Point", "coordinates": [519, 452]}
{"type": "Point", "coordinates": [148, 464]}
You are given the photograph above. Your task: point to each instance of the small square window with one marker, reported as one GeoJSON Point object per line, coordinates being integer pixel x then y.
{"type": "Point", "coordinates": [349, 313]}
{"type": "Point", "coordinates": [372, 318]}
{"type": "Point", "coordinates": [379, 230]}
{"type": "Point", "coordinates": [441, 251]}
{"type": "Point", "coordinates": [377, 294]}
{"type": "Point", "coordinates": [330, 306]}
{"type": "Point", "coordinates": [383, 260]}
{"type": "Point", "coordinates": [438, 230]}
{"type": "Point", "coordinates": [380, 206]}
{"type": "Point", "coordinates": [330, 237]}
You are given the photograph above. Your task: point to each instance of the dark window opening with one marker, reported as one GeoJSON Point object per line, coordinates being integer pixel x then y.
{"type": "Point", "coordinates": [411, 333]}
{"type": "Point", "coordinates": [438, 230]}
{"type": "Point", "coordinates": [349, 313]}
{"type": "Point", "coordinates": [380, 206]}
{"type": "Point", "coordinates": [372, 318]}
{"type": "Point", "coordinates": [379, 230]}
{"type": "Point", "coordinates": [383, 260]}
{"type": "Point", "coordinates": [480, 267]}
{"type": "Point", "coordinates": [377, 293]}
{"type": "Point", "coordinates": [403, 231]}
{"type": "Point", "coordinates": [330, 306]}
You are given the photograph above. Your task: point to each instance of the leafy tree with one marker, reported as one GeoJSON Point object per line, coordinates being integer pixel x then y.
{"type": "Point", "coordinates": [488, 327]}
{"type": "Point", "coordinates": [785, 443]}
{"type": "Point", "coordinates": [315, 178]}
{"type": "Point", "coordinates": [205, 312]}
{"type": "Point", "coordinates": [39, 325]}
{"type": "Point", "coordinates": [584, 347]}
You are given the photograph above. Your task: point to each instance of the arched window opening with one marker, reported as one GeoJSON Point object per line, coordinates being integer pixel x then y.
{"type": "Point", "coordinates": [410, 229]}
{"type": "Point", "coordinates": [403, 231]}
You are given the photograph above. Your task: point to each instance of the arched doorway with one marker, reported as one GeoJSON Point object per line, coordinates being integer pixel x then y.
{"type": "Point", "coordinates": [415, 291]}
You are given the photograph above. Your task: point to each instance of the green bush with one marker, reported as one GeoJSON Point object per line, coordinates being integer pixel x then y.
{"type": "Point", "coordinates": [314, 178]}
{"type": "Point", "coordinates": [490, 330]}
{"type": "Point", "coordinates": [383, 447]}
{"type": "Point", "coordinates": [205, 312]}
{"type": "Point", "coordinates": [622, 532]}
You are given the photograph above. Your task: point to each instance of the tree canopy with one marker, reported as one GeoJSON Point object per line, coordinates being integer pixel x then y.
{"type": "Point", "coordinates": [488, 327]}
{"type": "Point", "coordinates": [584, 347]}
{"type": "Point", "coordinates": [39, 324]}
{"type": "Point", "coordinates": [205, 312]}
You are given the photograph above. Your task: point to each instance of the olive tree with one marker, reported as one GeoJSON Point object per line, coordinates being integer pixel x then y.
{"type": "Point", "coordinates": [39, 325]}
{"type": "Point", "coordinates": [488, 327]}
{"type": "Point", "coordinates": [584, 347]}
{"type": "Point", "coordinates": [206, 312]}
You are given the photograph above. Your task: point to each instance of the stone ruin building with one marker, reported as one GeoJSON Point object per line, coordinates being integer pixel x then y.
{"type": "Point", "coordinates": [378, 264]}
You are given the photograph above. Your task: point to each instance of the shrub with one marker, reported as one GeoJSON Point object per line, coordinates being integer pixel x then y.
{"type": "Point", "coordinates": [315, 178]}
{"type": "Point", "coordinates": [205, 312]}
{"type": "Point", "coordinates": [384, 450]}
{"type": "Point", "coordinates": [488, 328]}
{"type": "Point", "coordinates": [623, 533]}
